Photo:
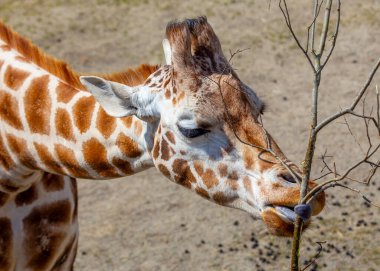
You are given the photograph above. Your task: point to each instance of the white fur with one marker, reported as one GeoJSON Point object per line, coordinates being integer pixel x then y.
{"type": "Point", "coordinates": [121, 100]}
{"type": "Point", "coordinates": [167, 51]}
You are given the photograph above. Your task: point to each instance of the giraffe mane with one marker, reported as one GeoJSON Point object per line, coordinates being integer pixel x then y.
{"type": "Point", "coordinates": [131, 77]}
{"type": "Point", "coordinates": [61, 69]}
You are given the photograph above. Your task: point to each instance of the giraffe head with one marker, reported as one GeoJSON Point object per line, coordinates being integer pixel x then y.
{"type": "Point", "coordinates": [204, 130]}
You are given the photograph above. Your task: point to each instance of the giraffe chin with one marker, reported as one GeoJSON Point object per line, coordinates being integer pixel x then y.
{"type": "Point", "coordinates": [280, 221]}
{"type": "Point", "coordinates": [279, 215]}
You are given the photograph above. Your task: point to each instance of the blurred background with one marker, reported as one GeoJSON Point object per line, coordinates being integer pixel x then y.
{"type": "Point", "coordinates": [145, 222]}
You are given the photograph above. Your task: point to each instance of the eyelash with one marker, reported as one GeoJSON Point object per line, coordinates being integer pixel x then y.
{"type": "Point", "coordinates": [192, 133]}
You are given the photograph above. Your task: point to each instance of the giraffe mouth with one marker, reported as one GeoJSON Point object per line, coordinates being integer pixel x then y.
{"type": "Point", "coordinates": [280, 219]}
{"type": "Point", "coordinates": [288, 213]}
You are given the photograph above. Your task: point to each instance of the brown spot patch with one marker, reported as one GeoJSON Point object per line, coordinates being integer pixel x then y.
{"type": "Point", "coordinates": [63, 124]}
{"type": "Point", "coordinates": [223, 170]}
{"type": "Point", "coordinates": [209, 178]}
{"type": "Point", "coordinates": [67, 158]}
{"type": "Point", "coordinates": [3, 198]}
{"type": "Point", "coordinates": [200, 191]}
{"type": "Point", "coordinates": [156, 149]}
{"type": "Point", "coordinates": [181, 96]}
{"type": "Point", "coordinates": [167, 81]}
{"type": "Point", "coordinates": [138, 127]}
{"type": "Point", "coordinates": [233, 175]}
{"type": "Point", "coordinates": [5, 159]}
{"type": "Point", "coordinates": [14, 77]}
{"type": "Point", "coordinates": [6, 244]}
{"type": "Point", "coordinates": [232, 183]}
{"type": "Point", "coordinates": [147, 82]}
{"type": "Point", "coordinates": [247, 184]}
{"type": "Point", "coordinates": [65, 254]}
{"type": "Point", "coordinates": [164, 170]}
{"type": "Point", "coordinates": [46, 228]}
{"type": "Point", "coordinates": [128, 146]}
{"type": "Point", "coordinates": [95, 154]}
{"type": "Point", "coordinates": [249, 161]}
{"type": "Point", "coordinates": [199, 167]}
{"type": "Point", "coordinates": [122, 165]}
{"type": "Point", "coordinates": [167, 94]}
{"type": "Point", "coordinates": [165, 153]}
{"type": "Point", "coordinates": [65, 92]}
{"type": "Point", "coordinates": [22, 59]}
{"type": "Point", "coordinates": [105, 123]}
{"type": "Point", "coordinates": [37, 103]}
{"type": "Point", "coordinates": [53, 182]}
{"type": "Point", "coordinates": [82, 112]}
{"type": "Point", "coordinates": [170, 137]}
{"type": "Point", "coordinates": [9, 110]}
{"type": "Point", "coordinates": [127, 121]}
{"type": "Point", "coordinates": [19, 147]}
{"type": "Point", "coordinates": [223, 199]}
{"type": "Point", "coordinates": [157, 73]}
{"type": "Point", "coordinates": [46, 158]}
{"type": "Point", "coordinates": [26, 197]}
{"type": "Point", "coordinates": [184, 175]}
{"type": "Point", "coordinates": [8, 186]}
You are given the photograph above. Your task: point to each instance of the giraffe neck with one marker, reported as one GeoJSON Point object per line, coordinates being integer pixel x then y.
{"type": "Point", "coordinates": [48, 125]}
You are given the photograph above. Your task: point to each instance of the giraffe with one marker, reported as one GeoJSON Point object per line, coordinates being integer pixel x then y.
{"type": "Point", "coordinates": [193, 119]}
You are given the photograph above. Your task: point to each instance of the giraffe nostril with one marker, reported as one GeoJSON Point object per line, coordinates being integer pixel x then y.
{"type": "Point", "coordinates": [287, 177]}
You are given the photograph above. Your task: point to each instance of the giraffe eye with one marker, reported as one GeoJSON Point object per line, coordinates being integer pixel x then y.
{"type": "Point", "coordinates": [191, 133]}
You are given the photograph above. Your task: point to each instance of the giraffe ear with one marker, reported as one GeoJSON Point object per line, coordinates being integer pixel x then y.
{"type": "Point", "coordinates": [120, 100]}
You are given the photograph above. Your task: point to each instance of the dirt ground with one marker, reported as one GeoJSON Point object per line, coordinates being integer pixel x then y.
{"type": "Point", "coordinates": [145, 222]}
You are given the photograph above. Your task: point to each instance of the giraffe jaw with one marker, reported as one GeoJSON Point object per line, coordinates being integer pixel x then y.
{"type": "Point", "coordinates": [280, 219]}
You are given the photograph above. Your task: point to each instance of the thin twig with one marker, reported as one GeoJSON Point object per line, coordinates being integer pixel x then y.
{"type": "Point", "coordinates": [311, 39]}
{"type": "Point", "coordinates": [316, 256]}
{"type": "Point", "coordinates": [325, 28]}
{"type": "Point", "coordinates": [378, 108]}
{"type": "Point", "coordinates": [354, 103]}
{"type": "Point", "coordinates": [285, 13]}
{"type": "Point", "coordinates": [335, 36]}
{"type": "Point", "coordinates": [352, 134]}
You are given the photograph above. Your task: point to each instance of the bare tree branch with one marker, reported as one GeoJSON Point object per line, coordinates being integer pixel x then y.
{"type": "Point", "coordinates": [311, 39]}
{"type": "Point", "coordinates": [334, 37]}
{"type": "Point", "coordinates": [315, 126]}
{"type": "Point", "coordinates": [325, 28]}
{"type": "Point", "coordinates": [354, 103]}
{"type": "Point", "coordinates": [285, 13]}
